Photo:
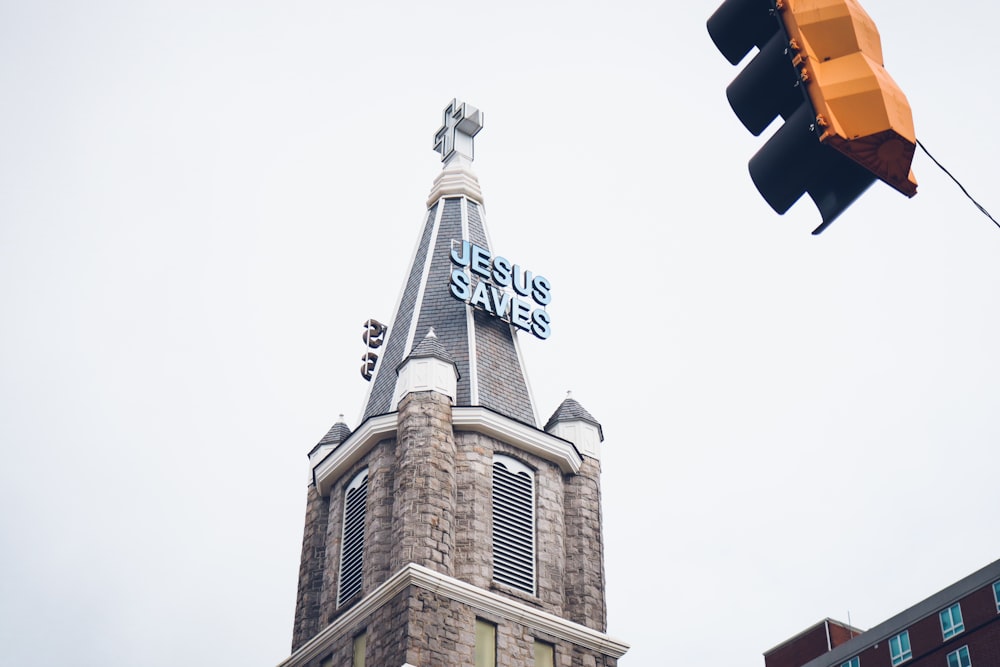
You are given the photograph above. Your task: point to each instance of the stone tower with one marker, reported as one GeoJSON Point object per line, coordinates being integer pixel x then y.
{"type": "Point", "coordinates": [450, 527]}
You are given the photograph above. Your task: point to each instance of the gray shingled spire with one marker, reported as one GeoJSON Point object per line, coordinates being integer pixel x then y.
{"type": "Point", "coordinates": [483, 348]}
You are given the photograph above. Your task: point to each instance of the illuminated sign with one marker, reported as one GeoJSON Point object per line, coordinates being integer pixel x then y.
{"type": "Point", "coordinates": [490, 291]}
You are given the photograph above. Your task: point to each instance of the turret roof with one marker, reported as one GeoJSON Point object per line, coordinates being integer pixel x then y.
{"type": "Point", "coordinates": [571, 410]}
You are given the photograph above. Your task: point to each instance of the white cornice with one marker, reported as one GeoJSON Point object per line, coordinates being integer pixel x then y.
{"type": "Point", "coordinates": [476, 419]}
{"type": "Point", "coordinates": [463, 593]}
{"type": "Point", "coordinates": [455, 180]}
{"type": "Point", "coordinates": [530, 439]}
{"type": "Point", "coordinates": [350, 451]}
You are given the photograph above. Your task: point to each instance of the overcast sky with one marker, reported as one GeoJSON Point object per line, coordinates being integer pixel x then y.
{"type": "Point", "coordinates": [201, 202]}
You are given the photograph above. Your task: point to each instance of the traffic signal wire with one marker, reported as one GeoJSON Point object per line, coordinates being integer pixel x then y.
{"type": "Point", "coordinates": [966, 192]}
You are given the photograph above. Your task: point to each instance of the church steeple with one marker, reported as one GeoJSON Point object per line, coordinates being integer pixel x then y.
{"type": "Point", "coordinates": [482, 345]}
{"type": "Point", "coordinates": [448, 528]}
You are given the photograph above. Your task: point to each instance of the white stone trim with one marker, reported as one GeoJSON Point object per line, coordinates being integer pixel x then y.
{"type": "Point", "coordinates": [463, 593]}
{"type": "Point", "coordinates": [426, 374]}
{"type": "Point", "coordinates": [418, 303]}
{"type": "Point", "coordinates": [551, 447]}
{"type": "Point", "coordinates": [513, 329]}
{"type": "Point", "coordinates": [547, 446]}
{"type": "Point", "coordinates": [524, 373]}
{"type": "Point", "coordinates": [470, 322]}
{"type": "Point", "coordinates": [584, 435]}
{"type": "Point", "coordinates": [455, 180]}
{"type": "Point", "coordinates": [333, 466]}
{"type": "Point", "coordinates": [399, 302]}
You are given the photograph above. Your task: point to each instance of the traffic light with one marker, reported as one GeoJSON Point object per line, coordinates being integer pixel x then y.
{"type": "Point", "coordinates": [819, 67]}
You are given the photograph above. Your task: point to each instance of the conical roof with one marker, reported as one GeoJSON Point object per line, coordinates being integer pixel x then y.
{"type": "Point", "coordinates": [336, 435]}
{"type": "Point", "coordinates": [483, 347]}
{"type": "Point", "coordinates": [571, 410]}
{"type": "Point", "coordinates": [430, 346]}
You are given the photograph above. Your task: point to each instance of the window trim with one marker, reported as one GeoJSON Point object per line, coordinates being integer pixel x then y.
{"type": "Point", "coordinates": [903, 655]}
{"type": "Point", "coordinates": [359, 646]}
{"type": "Point", "coordinates": [853, 662]}
{"type": "Point", "coordinates": [996, 594]}
{"type": "Point", "coordinates": [522, 567]}
{"type": "Point", "coordinates": [355, 560]}
{"type": "Point", "coordinates": [540, 646]}
{"type": "Point", "coordinates": [954, 627]}
{"type": "Point", "coordinates": [957, 653]}
{"type": "Point", "coordinates": [485, 654]}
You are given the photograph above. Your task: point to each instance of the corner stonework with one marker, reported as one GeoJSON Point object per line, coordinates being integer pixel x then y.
{"type": "Point", "coordinates": [425, 488]}
{"type": "Point", "coordinates": [584, 582]}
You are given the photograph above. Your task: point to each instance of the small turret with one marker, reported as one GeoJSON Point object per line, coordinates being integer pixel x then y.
{"type": "Point", "coordinates": [572, 422]}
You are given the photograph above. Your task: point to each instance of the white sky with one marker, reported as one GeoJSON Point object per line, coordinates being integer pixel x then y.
{"type": "Point", "coordinates": [201, 202]}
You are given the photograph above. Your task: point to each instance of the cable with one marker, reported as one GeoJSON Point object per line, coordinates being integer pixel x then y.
{"type": "Point", "coordinates": [966, 192]}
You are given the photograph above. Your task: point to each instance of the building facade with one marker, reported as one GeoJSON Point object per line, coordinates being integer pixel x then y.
{"type": "Point", "coordinates": [452, 527]}
{"type": "Point", "coordinates": [956, 627]}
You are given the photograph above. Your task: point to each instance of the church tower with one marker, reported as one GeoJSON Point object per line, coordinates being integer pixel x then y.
{"type": "Point", "coordinates": [452, 527]}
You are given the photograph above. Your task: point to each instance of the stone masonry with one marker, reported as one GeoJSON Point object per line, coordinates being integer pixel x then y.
{"type": "Point", "coordinates": [423, 514]}
{"type": "Point", "coordinates": [585, 602]}
{"type": "Point", "coordinates": [429, 502]}
{"type": "Point", "coordinates": [448, 396]}
{"type": "Point", "coordinates": [311, 570]}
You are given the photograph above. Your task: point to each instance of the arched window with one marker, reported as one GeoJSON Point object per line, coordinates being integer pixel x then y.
{"type": "Point", "coordinates": [352, 546]}
{"type": "Point", "coordinates": [513, 524]}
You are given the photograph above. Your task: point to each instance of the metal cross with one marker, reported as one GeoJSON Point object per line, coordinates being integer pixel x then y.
{"type": "Point", "coordinates": [461, 123]}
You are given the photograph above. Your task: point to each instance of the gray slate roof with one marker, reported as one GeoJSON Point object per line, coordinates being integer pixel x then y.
{"type": "Point", "coordinates": [336, 435]}
{"type": "Point", "coordinates": [571, 410]}
{"type": "Point", "coordinates": [427, 303]}
{"type": "Point", "coordinates": [430, 346]}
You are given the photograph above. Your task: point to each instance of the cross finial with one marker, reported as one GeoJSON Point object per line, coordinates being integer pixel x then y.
{"type": "Point", "coordinates": [461, 123]}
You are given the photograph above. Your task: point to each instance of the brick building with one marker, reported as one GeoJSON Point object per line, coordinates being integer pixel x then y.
{"type": "Point", "coordinates": [956, 627]}
{"type": "Point", "coordinates": [452, 526]}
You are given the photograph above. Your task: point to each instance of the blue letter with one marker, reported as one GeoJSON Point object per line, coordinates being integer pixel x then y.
{"type": "Point", "coordinates": [481, 297]}
{"type": "Point", "coordinates": [480, 261]}
{"type": "Point", "coordinates": [541, 290]}
{"type": "Point", "coordinates": [522, 281]}
{"type": "Point", "coordinates": [540, 323]}
{"type": "Point", "coordinates": [501, 303]}
{"type": "Point", "coordinates": [520, 314]}
{"type": "Point", "coordinates": [501, 271]}
{"type": "Point", "coordinates": [460, 285]}
{"type": "Point", "coordinates": [463, 259]}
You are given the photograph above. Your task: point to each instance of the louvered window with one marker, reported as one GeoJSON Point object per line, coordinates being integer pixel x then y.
{"type": "Point", "coordinates": [513, 524]}
{"type": "Point", "coordinates": [352, 548]}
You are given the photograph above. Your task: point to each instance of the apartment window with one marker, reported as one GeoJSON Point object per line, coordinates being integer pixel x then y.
{"type": "Point", "coordinates": [853, 662]}
{"type": "Point", "coordinates": [951, 621]}
{"type": "Point", "coordinates": [360, 642]}
{"type": "Point", "coordinates": [352, 549]}
{"type": "Point", "coordinates": [996, 595]}
{"type": "Point", "coordinates": [545, 654]}
{"type": "Point", "coordinates": [486, 644]}
{"type": "Point", "coordinates": [513, 524]}
{"type": "Point", "coordinates": [899, 648]}
{"type": "Point", "coordinates": [326, 662]}
{"type": "Point", "coordinates": [960, 658]}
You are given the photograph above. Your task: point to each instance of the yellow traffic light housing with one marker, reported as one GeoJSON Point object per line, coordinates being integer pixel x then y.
{"type": "Point", "coordinates": [820, 68]}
